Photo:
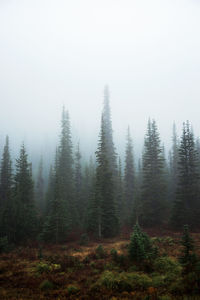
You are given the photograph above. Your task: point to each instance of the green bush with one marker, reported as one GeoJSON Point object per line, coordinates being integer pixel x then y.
{"type": "Point", "coordinates": [114, 255]}
{"type": "Point", "coordinates": [100, 252]}
{"type": "Point", "coordinates": [72, 289]}
{"type": "Point", "coordinates": [165, 265]}
{"type": "Point", "coordinates": [123, 281]}
{"type": "Point", "coordinates": [140, 247]}
{"type": "Point", "coordinates": [43, 268]}
{"type": "Point", "coordinates": [46, 285]}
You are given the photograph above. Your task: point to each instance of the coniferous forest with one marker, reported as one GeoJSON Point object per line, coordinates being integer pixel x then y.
{"type": "Point", "coordinates": [99, 150]}
{"type": "Point", "coordinates": [80, 223]}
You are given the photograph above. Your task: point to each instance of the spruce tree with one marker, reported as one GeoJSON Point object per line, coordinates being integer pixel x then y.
{"type": "Point", "coordinates": [102, 214]}
{"type": "Point", "coordinates": [120, 195]}
{"type": "Point", "coordinates": [153, 186]}
{"type": "Point", "coordinates": [174, 156]}
{"type": "Point", "coordinates": [5, 176]}
{"type": "Point", "coordinates": [108, 131]}
{"type": "Point", "coordinates": [188, 257]}
{"type": "Point", "coordinates": [129, 179]}
{"type": "Point", "coordinates": [6, 199]}
{"type": "Point", "coordinates": [49, 196]}
{"type": "Point", "coordinates": [25, 214]}
{"type": "Point", "coordinates": [79, 185]}
{"type": "Point", "coordinates": [186, 208]}
{"type": "Point", "coordinates": [62, 217]}
{"type": "Point", "coordinates": [39, 189]}
{"type": "Point", "coordinates": [140, 247]}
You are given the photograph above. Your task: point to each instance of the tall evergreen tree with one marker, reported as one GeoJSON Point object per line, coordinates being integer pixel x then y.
{"type": "Point", "coordinates": [108, 131]}
{"type": "Point", "coordinates": [5, 176]}
{"type": "Point", "coordinates": [25, 214]}
{"type": "Point", "coordinates": [186, 209]}
{"type": "Point", "coordinates": [49, 196]}
{"type": "Point", "coordinates": [120, 195]}
{"type": "Point", "coordinates": [174, 165]}
{"type": "Point", "coordinates": [129, 178]}
{"type": "Point", "coordinates": [103, 217]}
{"type": "Point", "coordinates": [79, 184]}
{"type": "Point", "coordinates": [62, 215]}
{"type": "Point", "coordinates": [154, 186]}
{"type": "Point", "coordinates": [6, 204]}
{"type": "Point", "coordinates": [39, 189]}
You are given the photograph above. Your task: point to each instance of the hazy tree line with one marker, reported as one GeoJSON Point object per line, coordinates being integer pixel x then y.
{"type": "Point", "coordinates": [99, 198]}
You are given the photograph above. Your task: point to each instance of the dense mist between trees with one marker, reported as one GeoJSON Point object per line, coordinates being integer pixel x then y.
{"type": "Point", "coordinates": [101, 195]}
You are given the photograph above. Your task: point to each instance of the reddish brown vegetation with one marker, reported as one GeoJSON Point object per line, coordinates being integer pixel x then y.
{"type": "Point", "coordinates": [70, 269]}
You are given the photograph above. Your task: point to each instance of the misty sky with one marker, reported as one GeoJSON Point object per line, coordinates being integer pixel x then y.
{"type": "Point", "coordinates": [55, 52]}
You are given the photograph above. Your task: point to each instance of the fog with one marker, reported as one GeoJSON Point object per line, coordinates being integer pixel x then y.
{"type": "Point", "coordinates": [56, 52]}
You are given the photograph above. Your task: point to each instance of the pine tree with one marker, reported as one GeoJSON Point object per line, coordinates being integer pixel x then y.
{"type": "Point", "coordinates": [120, 196]}
{"type": "Point", "coordinates": [79, 184]}
{"type": "Point", "coordinates": [50, 191]}
{"type": "Point", "coordinates": [154, 186]}
{"type": "Point", "coordinates": [62, 216]}
{"type": "Point", "coordinates": [39, 193]}
{"type": "Point", "coordinates": [129, 179]}
{"type": "Point", "coordinates": [188, 257]}
{"type": "Point", "coordinates": [6, 204]}
{"type": "Point", "coordinates": [108, 131]}
{"type": "Point", "coordinates": [186, 207]}
{"type": "Point", "coordinates": [25, 214]}
{"type": "Point", "coordinates": [5, 176]}
{"type": "Point", "coordinates": [140, 247]}
{"type": "Point", "coordinates": [103, 210]}
{"type": "Point", "coordinates": [174, 156]}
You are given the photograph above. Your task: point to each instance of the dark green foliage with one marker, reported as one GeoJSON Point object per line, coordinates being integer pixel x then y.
{"type": "Point", "coordinates": [5, 176]}
{"type": "Point", "coordinates": [62, 213]}
{"type": "Point", "coordinates": [100, 252]}
{"type": "Point", "coordinates": [129, 179]}
{"type": "Point", "coordinates": [79, 199]}
{"type": "Point", "coordinates": [25, 213]}
{"type": "Point", "coordinates": [154, 185]}
{"type": "Point", "coordinates": [140, 247]}
{"type": "Point", "coordinates": [114, 254]}
{"type": "Point", "coordinates": [188, 257]}
{"type": "Point", "coordinates": [186, 207]}
{"type": "Point", "coordinates": [7, 207]}
{"type": "Point", "coordinates": [111, 155]}
{"type": "Point", "coordinates": [120, 207]}
{"type": "Point", "coordinates": [122, 281]}
{"type": "Point", "coordinates": [39, 189]}
{"type": "Point", "coordinates": [103, 216]}
{"type": "Point", "coordinates": [173, 164]}
{"type": "Point", "coordinates": [46, 285]}
{"type": "Point", "coordinates": [72, 289]}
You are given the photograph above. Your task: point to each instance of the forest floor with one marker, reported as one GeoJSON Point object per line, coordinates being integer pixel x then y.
{"type": "Point", "coordinates": [91, 271]}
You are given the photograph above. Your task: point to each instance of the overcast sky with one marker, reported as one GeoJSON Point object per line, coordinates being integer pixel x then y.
{"type": "Point", "coordinates": [55, 52]}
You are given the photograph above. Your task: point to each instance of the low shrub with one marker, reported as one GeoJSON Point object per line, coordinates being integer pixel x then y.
{"type": "Point", "coordinates": [166, 264]}
{"type": "Point", "coordinates": [46, 285]}
{"type": "Point", "coordinates": [100, 252]}
{"type": "Point", "coordinates": [72, 289]}
{"type": "Point", "coordinates": [123, 281]}
{"type": "Point", "coordinates": [114, 255]}
{"type": "Point", "coordinates": [43, 268]}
